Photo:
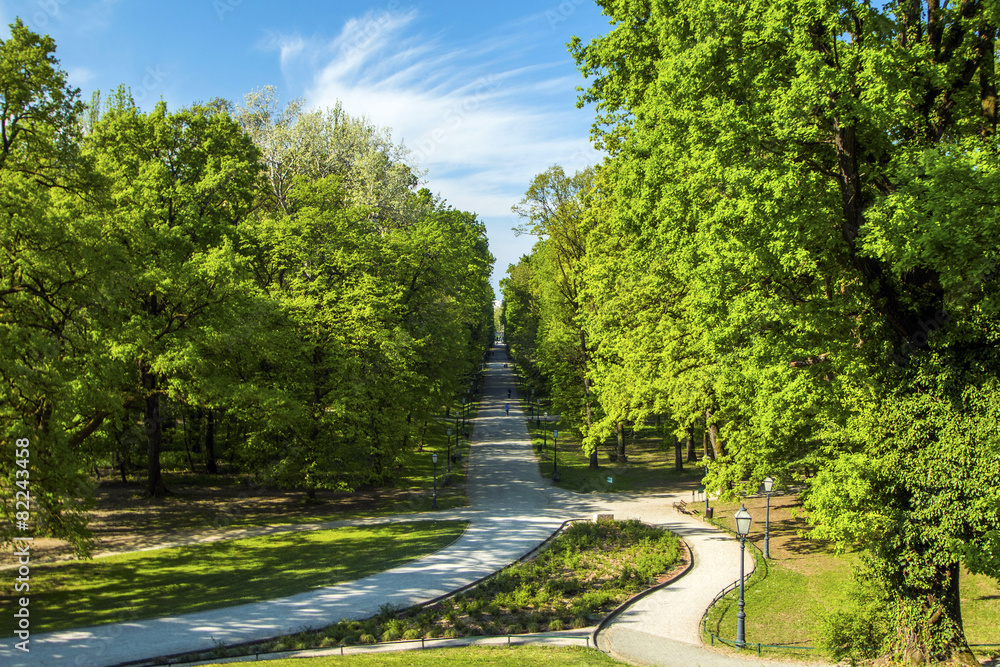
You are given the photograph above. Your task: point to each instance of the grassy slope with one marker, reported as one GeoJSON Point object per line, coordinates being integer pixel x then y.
{"type": "Point", "coordinates": [806, 581]}
{"type": "Point", "coordinates": [186, 579]}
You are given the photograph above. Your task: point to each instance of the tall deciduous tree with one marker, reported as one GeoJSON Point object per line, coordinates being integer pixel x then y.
{"type": "Point", "coordinates": [820, 178]}
{"type": "Point", "coordinates": [50, 260]}
{"type": "Point", "coordinates": [554, 209]}
{"type": "Point", "coordinates": [182, 183]}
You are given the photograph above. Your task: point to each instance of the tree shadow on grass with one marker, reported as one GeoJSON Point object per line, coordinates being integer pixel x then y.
{"type": "Point", "coordinates": [201, 577]}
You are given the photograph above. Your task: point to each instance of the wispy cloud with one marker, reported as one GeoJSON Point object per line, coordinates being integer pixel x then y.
{"type": "Point", "coordinates": [483, 118]}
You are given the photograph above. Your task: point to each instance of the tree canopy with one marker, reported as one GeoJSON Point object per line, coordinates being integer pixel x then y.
{"type": "Point", "coordinates": [276, 273]}
{"type": "Point", "coordinates": [793, 240]}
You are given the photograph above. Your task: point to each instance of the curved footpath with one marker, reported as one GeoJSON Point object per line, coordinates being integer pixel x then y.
{"type": "Point", "coordinates": [512, 510]}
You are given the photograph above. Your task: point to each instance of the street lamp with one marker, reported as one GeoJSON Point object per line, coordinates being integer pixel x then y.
{"type": "Point", "coordinates": [704, 484]}
{"type": "Point", "coordinates": [768, 485]}
{"type": "Point", "coordinates": [555, 456]}
{"type": "Point", "coordinates": [538, 422]}
{"type": "Point", "coordinates": [463, 417]}
{"type": "Point", "coordinates": [434, 458]}
{"type": "Point", "coordinates": [743, 520]}
{"type": "Point", "coordinates": [449, 448]}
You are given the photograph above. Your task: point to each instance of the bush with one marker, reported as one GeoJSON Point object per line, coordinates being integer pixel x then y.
{"type": "Point", "coordinates": [863, 631]}
{"type": "Point", "coordinates": [555, 625]}
{"type": "Point", "coordinates": [366, 639]}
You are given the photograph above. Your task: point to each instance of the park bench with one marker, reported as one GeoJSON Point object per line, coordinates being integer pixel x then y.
{"type": "Point", "coordinates": [681, 506]}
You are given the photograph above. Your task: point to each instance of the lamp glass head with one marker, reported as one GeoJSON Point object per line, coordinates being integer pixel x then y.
{"type": "Point", "coordinates": [743, 521]}
{"type": "Point", "coordinates": [434, 457]}
{"type": "Point", "coordinates": [768, 484]}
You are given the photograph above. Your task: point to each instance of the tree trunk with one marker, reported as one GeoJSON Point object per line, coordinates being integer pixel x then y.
{"type": "Point", "coordinates": [678, 454]}
{"type": "Point", "coordinates": [594, 464]}
{"type": "Point", "coordinates": [209, 443]}
{"type": "Point", "coordinates": [692, 456]}
{"type": "Point", "coordinates": [187, 438]}
{"type": "Point", "coordinates": [154, 432]}
{"type": "Point", "coordinates": [930, 626]}
{"type": "Point", "coordinates": [620, 432]}
{"type": "Point", "coordinates": [712, 429]}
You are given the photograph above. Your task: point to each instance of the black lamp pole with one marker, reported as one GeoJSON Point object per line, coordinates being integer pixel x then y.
{"type": "Point", "coordinates": [742, 529]}
{"type": "Point", "coordinates": [555, 456]}
{"type": "Point", "coordinates": [768, 485]}
{"type": "Point", "coordinates": [434, 458]}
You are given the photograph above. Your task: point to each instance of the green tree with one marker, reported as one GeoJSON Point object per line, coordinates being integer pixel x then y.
{"type": "Point", "coordinates": [819, 177]}
{"type": "Point", "coordinates": [182, 183]}
{"type": "Point", "coordinates": [50, 262]}
{"type": "Point", "coordinates": [384, 291]}
{"type": "Point", "coordinates": [554, 209]}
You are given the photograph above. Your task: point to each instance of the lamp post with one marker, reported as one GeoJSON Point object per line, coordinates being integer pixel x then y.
{"type": "Point", "coordinates": [768, 485]}
{"type": "Point", "coordinates": [449, 448]}
{"type": "Point", "coordinates": [434, 458]}
{"type": "Point", "coordinates": [704, 485]}
{"type": "Point", "coordinates": [545, 433]}
{"type": "Point", "coordinates": [555, 456]}
{"type": "Point", "coordinates": [743, 520]}
{"type": "Point", "coordinates": [538, 422]}
{"type": "Point", "coordinates": [463, 418]}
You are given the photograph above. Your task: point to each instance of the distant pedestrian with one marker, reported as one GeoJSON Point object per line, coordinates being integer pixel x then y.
{"type": "Point", "coordinates": [508, 393]}
{"type": "Point", "coordinates": [507, 409]}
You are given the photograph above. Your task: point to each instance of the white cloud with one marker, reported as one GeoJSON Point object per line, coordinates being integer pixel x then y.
{"type": "Point", "coordinates": [79, 77]}
{"type": "Point", "coordinates": [479, 120]}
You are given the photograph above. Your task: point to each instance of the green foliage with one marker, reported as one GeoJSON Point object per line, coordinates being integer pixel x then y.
{"type": "Point", "coordinates": [168, 272]}
{"type": "Point", "coordinates": [50, 270]}
{"type": "Point", "coordinates": [791, 239]}
{"type": "Point", "coordinates": [543, 301]}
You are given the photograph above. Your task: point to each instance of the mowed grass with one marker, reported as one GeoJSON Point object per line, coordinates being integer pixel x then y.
{"type": "Point", "coordinates": [649, 468]}
{"type": "Point", "coordinates": [502, 656]}
{"type": "Point", "coordinates": [575, 581]}
{"type": "Point", "coordinates": [186, 579]}
{"type": "Point", "coordinates": [806, 581]}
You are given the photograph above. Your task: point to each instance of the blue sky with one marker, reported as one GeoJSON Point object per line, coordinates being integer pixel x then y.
{"type": "Point", "coordinates": [484, 95]}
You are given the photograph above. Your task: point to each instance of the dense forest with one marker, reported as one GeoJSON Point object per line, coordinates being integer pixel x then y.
{"type": "Point", "coordinates": [261, 285]}
{"type": "Point", "coordinates": [791, 248]}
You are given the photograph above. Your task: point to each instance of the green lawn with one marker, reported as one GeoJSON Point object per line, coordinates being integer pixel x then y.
{"type": "Point", "coordinates": [806, 581]}
{"type": "Point", "coordinates": [186, 579]}
{"type": "Point", "coordinates": [582, 575]}
{"type": "Point", "coordinates": [650, 466]}
{"type": "Point", "coordinates": [514, 656]}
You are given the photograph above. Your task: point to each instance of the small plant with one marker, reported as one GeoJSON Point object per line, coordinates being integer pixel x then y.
{"type": "Point", "coordinates": [555, 625]}
{"type": "Point", "coordinates": [579, 622]}
{"type": "Point", "coordinates": [366, 639]}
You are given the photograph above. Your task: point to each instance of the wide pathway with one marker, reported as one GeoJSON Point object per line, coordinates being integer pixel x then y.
{"type": "Point", "coordinates": [512, 509]}
{"type": "Point", "coordinates": [509, 516]}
